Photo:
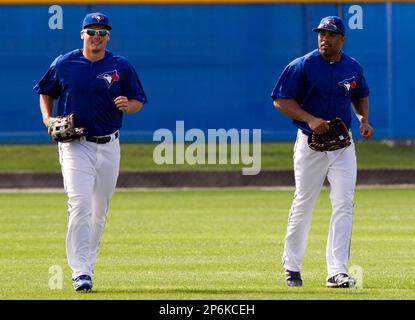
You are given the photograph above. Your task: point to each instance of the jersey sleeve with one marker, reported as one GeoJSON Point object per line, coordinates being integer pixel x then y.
{"type": "Point", "coordinates": [49, 84]}
{"type": "Point", "coordinates": [289, 83]}
{"type": "Point", "coordinates": [131, 86]}
{"type": "Point", "coordinates": [362, 88]}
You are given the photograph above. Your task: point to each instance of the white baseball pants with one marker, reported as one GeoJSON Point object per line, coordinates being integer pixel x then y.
{"type": "Point", "coordinates": [90, 173]}
{"type": "Point", "coordinates": [311, 168]}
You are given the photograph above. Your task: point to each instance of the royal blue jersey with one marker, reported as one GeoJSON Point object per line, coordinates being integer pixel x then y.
{"type": "Point", "coordinates": [88, 89]}
{"type": "Point", "coordinates": [323, 89]}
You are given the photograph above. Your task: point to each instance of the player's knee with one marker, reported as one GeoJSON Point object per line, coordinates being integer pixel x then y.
{"type": "Point", "coordinates": [343, 205]}
{"type": "Point", "coordinates": [99, 221]}
{"type": "Point", "coordinates": [303, 203]}
{"type": "Point", "coordinates": [79, 203]}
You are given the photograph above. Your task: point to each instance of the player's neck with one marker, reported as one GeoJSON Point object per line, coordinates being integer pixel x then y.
{"type": "Point", "coordinates": [93, 56]}
{"type": "Point", "coordinates": [333, 58]}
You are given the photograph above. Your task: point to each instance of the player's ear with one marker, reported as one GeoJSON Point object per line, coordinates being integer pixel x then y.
{"type": "Point", "coordinates": [82, 35]}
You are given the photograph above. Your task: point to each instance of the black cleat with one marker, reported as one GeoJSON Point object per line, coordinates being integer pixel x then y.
{"type": "Point", "coordinates": [82, 283]}
{"type": "Point", "coordinates": [293, 278]}
{"type": "Point", "coordinates": [341, 280]}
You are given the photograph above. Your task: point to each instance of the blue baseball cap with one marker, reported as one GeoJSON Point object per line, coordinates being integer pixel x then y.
{"type": "Point", "coordinates": [331, 23]}
{"type": "Point", "coordinates": [96, 18]}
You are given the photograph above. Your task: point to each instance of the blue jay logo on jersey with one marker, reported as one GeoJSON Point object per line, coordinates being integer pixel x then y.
{"type": "Point", "coordinates": [110, 77]}
{"type": "Point", "coordinates": [348, 84]}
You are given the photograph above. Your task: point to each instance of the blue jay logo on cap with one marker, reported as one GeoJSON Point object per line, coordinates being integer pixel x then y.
{"type": "Point", "coordinates": [329, 23]}
{"type": "Point", "coordinates": [98, 17]}
{"type": "Point", "coordinates": [110, 77]}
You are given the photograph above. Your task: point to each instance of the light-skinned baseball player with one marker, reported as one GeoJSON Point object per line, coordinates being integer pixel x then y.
{"type": "Point", "coordinates": [313, 89]}
{"type": "Point", "coordinates": [98, 87]}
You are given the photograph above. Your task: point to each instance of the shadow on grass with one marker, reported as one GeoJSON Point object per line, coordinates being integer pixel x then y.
{"type": "Point", "coordinates": [296, 291]}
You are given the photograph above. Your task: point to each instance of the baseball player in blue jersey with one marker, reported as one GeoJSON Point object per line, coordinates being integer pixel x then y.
{"type": "Point", "coordinates": [313, 89]}
{"type": "Point", "coordinates": [98, 86]}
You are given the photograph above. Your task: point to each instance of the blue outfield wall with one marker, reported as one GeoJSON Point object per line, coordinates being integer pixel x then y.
{"type": "Point", "coordinates": [211, 66]}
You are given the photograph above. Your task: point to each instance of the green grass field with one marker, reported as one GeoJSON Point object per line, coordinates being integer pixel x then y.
{"type": "Point", "coordinates": [137, 157]}
{"type": "Point", "coordinates": [206, 244]}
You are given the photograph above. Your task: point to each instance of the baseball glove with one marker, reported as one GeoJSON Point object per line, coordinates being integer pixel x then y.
{"type": "Point", "coordinates": [62, 129]}
{"type": "Point", "coordinates": [337, 137]}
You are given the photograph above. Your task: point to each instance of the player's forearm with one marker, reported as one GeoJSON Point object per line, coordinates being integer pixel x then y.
{"type": "Point", "coordinates": [361, 109]}
{"type": "Point", "coordinates": [291, 109]}
{"type": "Point", "coordinates": [134, 106]}
{"type": "Point", "coordinates": [127, 105]}
{"type": "Point", "coordinates": [46, 107]}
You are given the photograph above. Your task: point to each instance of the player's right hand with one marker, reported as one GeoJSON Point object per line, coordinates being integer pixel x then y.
{"type": "Point", "coordinates": [366, 130]}
{"type": "Point", "coordinates": [318, 125]}
{"type": "Point", "coordinates": [48, 121]}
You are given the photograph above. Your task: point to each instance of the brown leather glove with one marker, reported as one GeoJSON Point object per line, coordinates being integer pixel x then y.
{"type": "Point", "coordinates": [62, 129]}
{"type": "Point", "coordinates": [337, 137]}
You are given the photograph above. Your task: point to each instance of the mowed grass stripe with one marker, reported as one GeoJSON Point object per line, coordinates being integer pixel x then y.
{"type": "Point", "coordinates": [139, 157]}
{"type": "Point", "coordinates": [206, 244]}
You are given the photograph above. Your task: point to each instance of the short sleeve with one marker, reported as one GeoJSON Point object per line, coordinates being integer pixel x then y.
{"type": "Point", "coordinates": [131, 86]}
{"type": "Point", "coordinates": [361, 90]}
{"type": "Point", "coordinates": [290, 82]}
{"type": "Point", "coordinates": [49, 84]}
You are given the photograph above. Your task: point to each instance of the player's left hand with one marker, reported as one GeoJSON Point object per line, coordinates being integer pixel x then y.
{"type": "Point", "coordinates": [366, 130]}
{"type": "Point", "coordinates": [121, 103]}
